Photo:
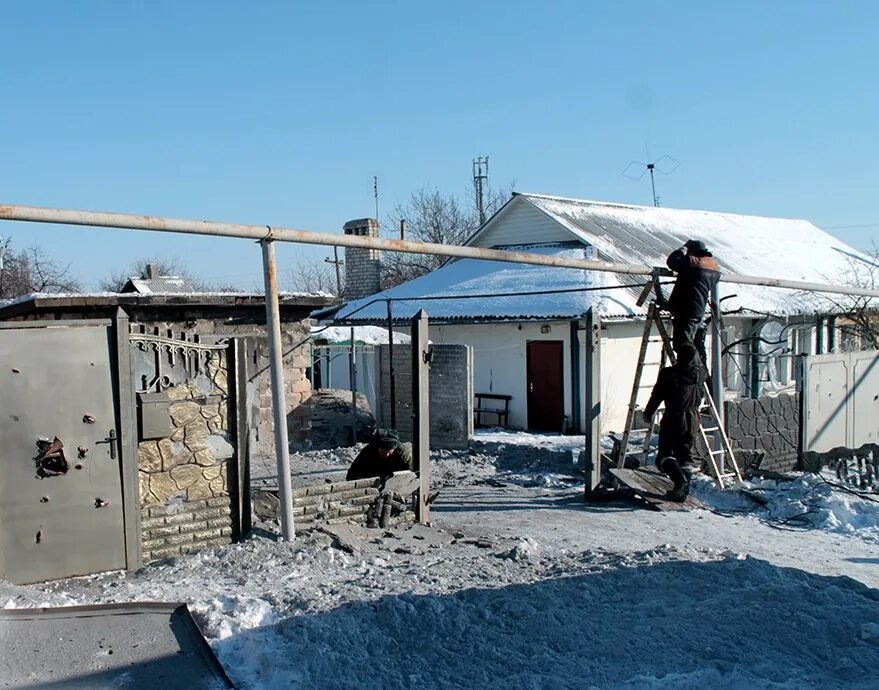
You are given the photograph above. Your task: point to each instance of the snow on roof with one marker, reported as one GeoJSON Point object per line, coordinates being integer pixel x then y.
{"type": "Point", "coordinates": [134, 297]}
{"type": "Point", "coordinates": [366, 335]}
{"type": "Point", "coordinates": [160, 284]}
{"type": "Point", "coordinates": [751, 245]}
{"type": "Point", "coordinates": [469, 282]}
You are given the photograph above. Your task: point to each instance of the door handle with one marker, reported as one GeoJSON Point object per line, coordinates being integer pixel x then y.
{"type": "Point", "coordinates": [111, 440]}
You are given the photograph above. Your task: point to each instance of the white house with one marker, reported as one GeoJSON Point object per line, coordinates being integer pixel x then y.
{"type": "Point", "coordinates": [525, 322]}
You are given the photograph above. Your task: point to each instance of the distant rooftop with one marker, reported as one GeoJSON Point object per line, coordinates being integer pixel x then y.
{"type": "Point", "coordinates": [153, 282]}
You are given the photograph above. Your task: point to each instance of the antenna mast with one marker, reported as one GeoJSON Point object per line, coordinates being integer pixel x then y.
{"type": "Point", "coordinates": [375, 194]}
{"type": "Point", "coordinates": [480, 178]}
{"type": "Point", "coordinates": [664, 164]}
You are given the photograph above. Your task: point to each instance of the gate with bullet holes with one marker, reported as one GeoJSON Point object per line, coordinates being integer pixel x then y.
{"type": "Point", "coordinates": [64, 423]}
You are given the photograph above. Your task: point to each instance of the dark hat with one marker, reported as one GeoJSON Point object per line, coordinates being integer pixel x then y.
{"type": "Point", "coordinates": [386, 439]}
{"type": "Point", "coordinates": [697, 248]}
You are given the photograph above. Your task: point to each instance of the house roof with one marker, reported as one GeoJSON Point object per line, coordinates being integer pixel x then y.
{"type": "Point", "coordinates": [751, 245]}
{"type": "Point", "coordinates": [98, 301]}
{"type": "Point", "coordinates": [475, 289]}
{"type": "Point", "coordinates": [159, 284]}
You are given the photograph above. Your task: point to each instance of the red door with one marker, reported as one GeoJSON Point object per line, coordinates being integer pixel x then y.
{"type": "Point", "coordinates": [546, 402]}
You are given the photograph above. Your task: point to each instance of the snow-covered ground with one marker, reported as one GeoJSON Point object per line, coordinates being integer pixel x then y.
{"type": "Point", "coordinates": [520, 584]}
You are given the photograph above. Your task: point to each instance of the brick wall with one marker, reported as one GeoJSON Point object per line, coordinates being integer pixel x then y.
{"type": "Point", "coordinates": [184, 527]}
{"type": "Point", "coordinates": [362, 266]}
{"type": "Point", "coordinates": [770, 425]}
{"type": "Point", "coordinates": [451, 393]}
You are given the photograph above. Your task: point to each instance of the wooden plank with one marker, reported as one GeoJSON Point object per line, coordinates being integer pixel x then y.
{"type": "Point", "coordinates": [651, 486]}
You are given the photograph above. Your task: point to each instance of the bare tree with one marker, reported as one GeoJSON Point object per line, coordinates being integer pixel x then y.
{"type": "Point", "coordinates": [315, 277]}
{"type": "Point", "coordinates": [859, 315]}
{"type": "Point", "coordinates": [166, 267]}
{"type": "Point", "coordinates": [431, 216]}
{"type": "Point", "coordinates": [32, 270]}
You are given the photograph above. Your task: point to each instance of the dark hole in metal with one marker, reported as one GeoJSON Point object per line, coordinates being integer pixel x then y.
{"type": "Point", "coordinates": [81, 452]}
{"type": "Point", "coordinates": [39, 536]}
{"type": "Point", "coordinates": [50, 460]}
{"type": "Point", "coordinates": [88, 419]}
{"type": "Point", "coordinates": [15, 370]}
{"type": "Point", "coordinates": [44, 499]}
{"type": "Point", "coordinates": [101, 503]}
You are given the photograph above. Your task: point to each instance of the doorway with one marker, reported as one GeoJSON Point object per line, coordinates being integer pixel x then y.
{"type": "Point", "coordinates": [545, 385]}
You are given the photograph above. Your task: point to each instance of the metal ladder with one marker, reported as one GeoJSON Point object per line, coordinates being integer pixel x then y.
{"type": "Point", "coordinates": [713, 435]}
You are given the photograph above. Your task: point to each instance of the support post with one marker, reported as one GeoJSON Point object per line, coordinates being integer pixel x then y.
{"type": "Point", "coordinates": [819, 335]}
{"type": "Point", "coordinates": [592, 400]}
{"type": "Point", "coordinates": [392, 379]}
{"type": "Point", "coordinates": [240, 474]}
{"type": "Point", "coordinates": [717, 364]}
{"type": "Point", "coordinates": [575, 376]}
{"type": "Point", "coordinates": [279, 398]}
{"type": "Point", "coordinates": [352, 375]}
{"type": "Point", "coordinates": [127, 425]}
{"type": "Point", "coordinates": [831, 334]}
{"type": "Point", "coordinates": [421, 413]}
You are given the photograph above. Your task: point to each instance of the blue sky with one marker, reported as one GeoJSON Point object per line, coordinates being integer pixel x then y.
{"type": "Point", "coordinates": [281, 112]}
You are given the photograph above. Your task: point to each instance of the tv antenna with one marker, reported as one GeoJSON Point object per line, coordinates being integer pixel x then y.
{"type": "Point", "coordinates": [375, 194]}
{"type": "Point", "coordinates": [664, 164]}
{"type": "Point", "coordinates": [480, 178]}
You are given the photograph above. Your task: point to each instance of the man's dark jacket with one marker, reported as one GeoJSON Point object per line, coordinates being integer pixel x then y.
{"type": "Point", "coordinates": [692, 290]}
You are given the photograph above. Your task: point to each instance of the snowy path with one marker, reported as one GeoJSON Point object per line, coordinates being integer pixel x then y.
{"type": "Point", "coordinates": [563, 520]}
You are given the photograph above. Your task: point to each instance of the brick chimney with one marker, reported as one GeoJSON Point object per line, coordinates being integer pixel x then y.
{"type": "Point", "coordinates": [362, 268]}
{"type": "Point", "coordinates": [152, 271]}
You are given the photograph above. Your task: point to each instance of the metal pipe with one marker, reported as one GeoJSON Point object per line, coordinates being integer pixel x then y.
{"type": "Point", "coordinates": [279, 398]}
{"type": "Point", "coordinates": [263, 232]}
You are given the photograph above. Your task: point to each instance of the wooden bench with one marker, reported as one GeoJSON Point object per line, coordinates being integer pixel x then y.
{"type": "Point", "coordinates": [502, 413]}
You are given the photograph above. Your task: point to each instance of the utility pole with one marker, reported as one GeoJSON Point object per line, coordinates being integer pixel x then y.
{"type": "Point", "coordinates": [335, 261]}
{"type": "Point", "coordinates": [480, 180]}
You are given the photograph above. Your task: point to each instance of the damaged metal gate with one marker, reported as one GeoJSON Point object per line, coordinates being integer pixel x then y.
{"type": "Point", "coordinates": [61, 478]}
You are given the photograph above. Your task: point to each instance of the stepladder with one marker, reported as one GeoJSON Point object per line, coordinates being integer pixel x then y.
{"type": "Point", "coordinates": [715, 445]}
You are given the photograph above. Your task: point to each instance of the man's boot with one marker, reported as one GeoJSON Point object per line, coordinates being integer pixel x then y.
{"type": "Point", "coordinates": [681, 488]}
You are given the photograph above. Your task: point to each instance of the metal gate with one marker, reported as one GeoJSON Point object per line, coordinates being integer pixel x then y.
{"type": "Point", "coordinates": [61, 508]}
{"type": "Point", "coordinates": [840, 399]}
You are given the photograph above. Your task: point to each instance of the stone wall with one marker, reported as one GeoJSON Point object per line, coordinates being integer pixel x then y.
{"type": "Point", "coordinates": [451, 393]}
{"type": "Point", "coordinates": [770, 425]}
{"type": "Point", "coordinates": [296, 348]}
{"type": "Point", "coordinates": [184, 477]}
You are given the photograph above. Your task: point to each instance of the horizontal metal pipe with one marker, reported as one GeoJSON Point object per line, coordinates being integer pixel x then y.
{"type": "Point", "coordinates": [264, 232]}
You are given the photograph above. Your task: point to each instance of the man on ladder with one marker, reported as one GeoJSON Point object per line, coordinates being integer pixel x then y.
{"type": "Point", "coordinates": [680, 387]}
{"type": "Point", "coordinates": [698, 272]}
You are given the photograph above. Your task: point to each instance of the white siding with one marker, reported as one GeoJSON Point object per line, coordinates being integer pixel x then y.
{"type": "Point", "coordinates": [522, 223]}
{"type": "Point", "coordinates": [499, 358]}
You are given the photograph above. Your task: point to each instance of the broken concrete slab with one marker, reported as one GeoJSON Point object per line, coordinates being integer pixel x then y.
{"type": "Point", "coordinates": [141, 645]}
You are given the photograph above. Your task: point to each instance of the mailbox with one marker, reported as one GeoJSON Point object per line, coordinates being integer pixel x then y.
{"type": "Point", "coordinates": [154, 415]}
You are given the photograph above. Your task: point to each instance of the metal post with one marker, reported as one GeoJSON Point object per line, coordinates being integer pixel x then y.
{"type": "Point", "coordinates": [819, 335]}
{"type": "Point", "coordinates": [592, 399]}
{"type": "Point", "coordinates": [421, 412]}
{"type": "Point", "coordinates": [831, 334]}
{"type": "Point", "coordinates": [575, 376]}
{"type": "Point", "coordinates": [279, 397]}
{"type": "Point", "coordinates": [391, 375]}
{"type": "Point", "coordinates": [717, 364]}
{"type": "Point", "coordinates": [352, 374]}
